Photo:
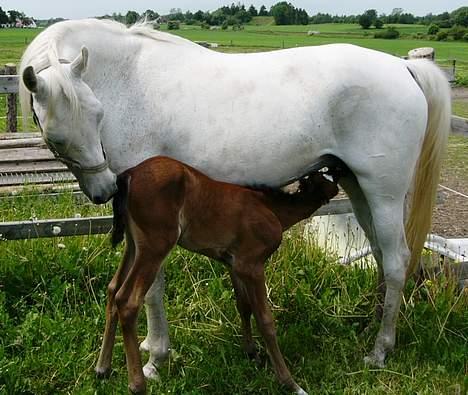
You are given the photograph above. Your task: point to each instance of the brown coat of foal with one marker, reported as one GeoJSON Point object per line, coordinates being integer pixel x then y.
{"type": "Point", "coordinates": [163, 202]}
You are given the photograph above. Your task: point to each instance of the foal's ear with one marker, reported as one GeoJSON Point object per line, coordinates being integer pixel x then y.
{"type": "Point", "coordinates": [34, 83]}
{"type": "Point", "coordinates": [78, 66]}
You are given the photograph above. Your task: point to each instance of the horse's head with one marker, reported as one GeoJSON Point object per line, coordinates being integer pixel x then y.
{"type": "Point", "coordinates": [69, 116]}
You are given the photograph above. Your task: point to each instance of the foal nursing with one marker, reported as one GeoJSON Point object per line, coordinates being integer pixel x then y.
{"type": "Point", "coordinates": [161, 203]}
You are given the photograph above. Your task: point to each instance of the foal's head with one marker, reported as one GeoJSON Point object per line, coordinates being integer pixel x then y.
{"type": "Point", "coordinates": [318, 187]}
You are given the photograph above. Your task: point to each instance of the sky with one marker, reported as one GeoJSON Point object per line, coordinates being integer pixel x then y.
{"type": "Point", "coordinates": [76, 9]}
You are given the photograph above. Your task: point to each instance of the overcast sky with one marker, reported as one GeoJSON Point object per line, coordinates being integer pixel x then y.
{"type": "Point", "coordinates": [45, 9]}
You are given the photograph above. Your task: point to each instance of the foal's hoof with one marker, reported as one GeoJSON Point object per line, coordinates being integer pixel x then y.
{"type": "Point", "coordinates": [102, 373]}
{"type": "Point", "coordinates": [253, 356]}
{"type": "Point", "coordinates": [150, 371]}
{"type": "Point", "coordinates": [137, 389]}
{"type": "Point", "coordinates": [376, 361]}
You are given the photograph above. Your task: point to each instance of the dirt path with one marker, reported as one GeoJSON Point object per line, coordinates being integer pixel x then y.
{"type": "Point", "coordinates": [451, 217]}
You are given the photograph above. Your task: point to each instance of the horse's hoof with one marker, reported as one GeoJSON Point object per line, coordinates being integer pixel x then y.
{"type": "Point", "coordinates": [150, 371]}
{"type": "Point", "coordinates": [102, 373]}
{"type": "Point", "coordinates": [375, 361]}
{"type": "Point", "coordinates": [255, 357]}
{"type": "Point", "coordinates": [137, 389]}
{"type": "Point", "coordinates": [144, 346]}
{"type": "Point", "coordinates": [300, 391]}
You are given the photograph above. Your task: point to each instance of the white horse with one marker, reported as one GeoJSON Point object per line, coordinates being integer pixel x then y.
{"type": "Point", "coordinates": [252, 119]}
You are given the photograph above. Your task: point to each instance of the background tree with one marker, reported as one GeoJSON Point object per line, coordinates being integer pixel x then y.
{"type": "Point", "coordinates": [263, 11]}
{"type": "Point", "coordinates": [14, 15]}
{"type": "Point", "coordinates": [286, 14]}
{"type": "Point", "coordinates": [131, 17]}
{"type": "Point", "coordinates": [252, 11]}
{"type": "Point", "coordinates": [460, 16]}
{"type": "Point", "coordinates": [378, 23]}
{"type": "Point", "coordinates": [3, 17]}
{"type": "Point", "coordinates": [433, 29]}
{"type": "Point", "coordinates": [365, 21]}
{"type": "Point", "coordinates": [150, 15]}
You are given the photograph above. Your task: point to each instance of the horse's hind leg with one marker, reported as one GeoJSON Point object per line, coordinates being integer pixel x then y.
{"type": "Point", "coordinates": [103, 366]}
{"type": "Point", "coordinates": [363, 215]}
{"type": "Point", "coordinates": [245, 312]}
{"type": "Point", "coordinates": [387, 213]}
{"type": "Point", "coordinates": [251, 274]}
{"type": "Point", "coordinates": [157, 340]}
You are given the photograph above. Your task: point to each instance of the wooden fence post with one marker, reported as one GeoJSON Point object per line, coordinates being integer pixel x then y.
{"type": "Point", "coordinates": [12, 124]}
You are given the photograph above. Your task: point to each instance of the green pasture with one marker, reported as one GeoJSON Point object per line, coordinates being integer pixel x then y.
{"type": "Point", "coordinates": [52, 307]}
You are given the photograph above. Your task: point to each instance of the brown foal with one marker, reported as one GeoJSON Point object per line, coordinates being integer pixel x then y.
{"type": "Point", "coordinates": [163, 202]}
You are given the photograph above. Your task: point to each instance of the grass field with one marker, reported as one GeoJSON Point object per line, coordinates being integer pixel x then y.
{"type": "Point", "coordinates": [52, 298]}
{"type": "Point", "coordinates": [52, 294]}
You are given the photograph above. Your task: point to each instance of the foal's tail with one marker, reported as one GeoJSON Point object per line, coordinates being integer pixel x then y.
{"type": "Point", "coordinates": [426, 177]}
{"type": "Point", "coordinates": [119, 207]}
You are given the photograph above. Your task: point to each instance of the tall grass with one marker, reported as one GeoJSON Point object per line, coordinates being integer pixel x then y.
{"type": "Point", "coordinates": [52, 300]}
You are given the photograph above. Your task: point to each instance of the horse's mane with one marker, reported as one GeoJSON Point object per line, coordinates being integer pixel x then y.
{"type": "Point", "coordinates": [43, 53]}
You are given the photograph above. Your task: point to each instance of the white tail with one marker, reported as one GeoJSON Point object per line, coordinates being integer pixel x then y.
{"type": "Point", "coordinates": [426, 178]}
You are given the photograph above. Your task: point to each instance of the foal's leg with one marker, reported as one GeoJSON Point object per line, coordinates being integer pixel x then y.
{"type": "Point", "coordinates": [129, 298]}
{"type": "Point", "coordinates": [103, 366]}
{"type": "Point", "coordinates": [245, 312]}
{"type": "Point", "coordinates": [252, 275]}
{"type": "Point", "coordinates": [157, 340]}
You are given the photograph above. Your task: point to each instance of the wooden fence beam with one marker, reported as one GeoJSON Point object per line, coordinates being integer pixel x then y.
{"type": "Point", "coordinates": [22, 230]}
{"type": "Point", "coordinates": [9, 84]}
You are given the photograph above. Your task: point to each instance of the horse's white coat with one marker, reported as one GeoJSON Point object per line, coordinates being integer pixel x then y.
{"type": "Point", "coordinates": [263, 119]}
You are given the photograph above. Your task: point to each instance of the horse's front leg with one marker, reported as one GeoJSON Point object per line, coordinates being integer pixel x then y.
{"type": "Point", "coordinates": [103, 366]}
{"type": "Point", "coordinates": [157, 340]}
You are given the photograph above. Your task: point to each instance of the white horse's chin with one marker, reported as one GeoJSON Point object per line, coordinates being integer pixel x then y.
{"type": "Point", "coordinates": [99, 188]}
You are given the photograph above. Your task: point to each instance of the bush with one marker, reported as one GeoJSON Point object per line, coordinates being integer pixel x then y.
{"type": "Point", "coordinates": [389, 34]}
{"type": "Point", "coordinates": [465, 37]}
{"type": "Point", "coordinates": [173, 25]}
{"type": "Point", "coordinates": [433, 29]}
{"type": "Point", "coordinates": [378, 23]}
{"type": "Point", "coordinates": [441, 36]}
{"type": "Point", "coordinates": [457, 32]}
{"type": "Point", "coordinates": [205, 25]}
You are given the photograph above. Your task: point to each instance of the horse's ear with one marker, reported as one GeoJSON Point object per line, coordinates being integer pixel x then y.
{"type": "Point", "coordinates": [78, 66]}
{"type": "Point", "coordinates": [33, 82]}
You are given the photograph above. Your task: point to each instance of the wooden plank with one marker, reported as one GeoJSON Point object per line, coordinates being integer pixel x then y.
{"type": "Point", "coordinates": [20, 135]}
{"type": "Point", "coordinates": [25, 155]}
{"type": "Point", "coordinates": [44, 189]}
{"type": "Point", "coordinates": [22, 143]}
{"type": "Point", "coordinates": [22, 230]}
{"type": "Point", "coordinates": [9, 84]}
{"type": "Point", "coordinates": [40, 178]}
{"type": "Point", "coordinates": [32, 167]}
